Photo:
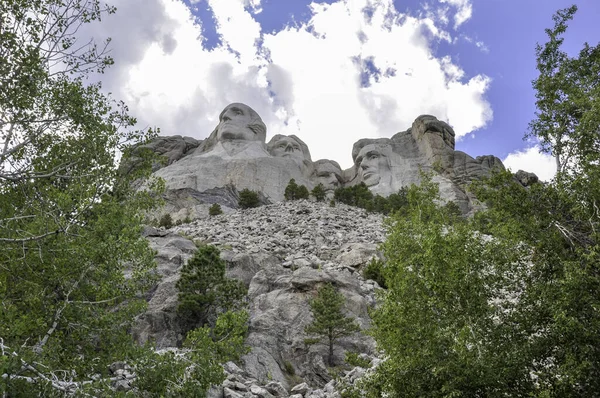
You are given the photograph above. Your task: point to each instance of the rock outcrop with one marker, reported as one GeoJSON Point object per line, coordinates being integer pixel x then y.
{"type": "Point", "coordinates": [283, 252]}
{"type": "Point", "coordinates": [236, 156]}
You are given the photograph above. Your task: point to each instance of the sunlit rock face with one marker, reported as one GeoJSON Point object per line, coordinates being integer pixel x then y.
{"type": "Point", "coordinates": [235, 156]}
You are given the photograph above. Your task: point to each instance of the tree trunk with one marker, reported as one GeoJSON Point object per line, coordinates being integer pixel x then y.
{"type": "Point", "coordinates": [330, 359]}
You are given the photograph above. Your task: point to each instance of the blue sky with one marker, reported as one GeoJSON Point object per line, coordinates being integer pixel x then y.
{"type": "Point", "coordinates": [332, 72]}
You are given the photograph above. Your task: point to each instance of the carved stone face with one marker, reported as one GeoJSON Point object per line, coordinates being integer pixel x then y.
{"type": "Point", "coordinates": [373, 164]}
{"type": "Point", "coordinates": [286, 147]}
{"type": "Point", "coordinates": [328, 174]}
{"type": "Point", "coordinates": [289, 146]}
{"type": "Point", "coordinates": [240, 122]}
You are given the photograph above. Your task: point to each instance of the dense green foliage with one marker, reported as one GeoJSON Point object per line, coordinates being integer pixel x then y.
{"type": "Point", "coordinates": [319, 192]}
{"type": "Point", "coordinates": [329, 321]}
{"type": "Point", "coordinates": [360, 196]}
{"type": "Point", "coordinates": [294, 191]}
{"type": "Point", "coordinates": [69, 226]}
{"type": "Point", "coordinates": [374, 271]}
{"type": "Point", "coordinates": [215, 210]}
{"type": "Point", "coordinates": [204, 290]}
{"type": "Point", "coordinates": [505, 304]}
{"type": "Point", "coordinates": [447, 310]}
{"type": "Point", "coordinates": [248, 199]}
{"type": "Point", "coordinates": [189, 373]}
{"type": "Point", "coordinates": [74, 267]}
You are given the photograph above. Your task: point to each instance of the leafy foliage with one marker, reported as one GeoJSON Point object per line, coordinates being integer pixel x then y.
{"type": "Point", "coordinates": [192, 370]}
{"type": "Point", "coordinates": [215, 210]}
{"type": "Point", "coordinates": [353, 359]}
{"type": "Point", "coordinates": [567, 122]}
{"type": "Point", "coordinates": [204, 290]}
{"type": "Point", "coordinates": [513, 312]}
{"type": "Point", "coordinates": [319, 192]}
{"type": "Point", "coordinates": [69, 223]}
{"type": "Point", "coordinates": [447, 321]}
{"type": "Point", "coordinates": [248, 199]}
{"type": "Point", "coordinates": [329, 321]}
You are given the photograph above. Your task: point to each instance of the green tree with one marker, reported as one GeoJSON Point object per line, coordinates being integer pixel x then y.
{"type": "Point", "coordinates": [318, 192]}
{"type": "Point", "coordinates": [329, 321]}
{"type": "Point", "coordinates": [513, 312]}
{"type": "Point", "coordinates": [290, 190]}
{"type": "Point", "coordinates": [69, 224]}
{"type": "Point", "coordinates": [191, 372]}
{"type": "Point", "coordinates": [215, 210]}
{"type": "Point", "coordinates": [204, 290]}
{"type": "Point", "coordinates": [294, 191]}
{"type": "Point", "coordinates": [447, 322]}
{"type": "Point", "coordinates": [248, 199]}
{"type": "Point", "coordinates": [302, 192]}
{"type": "Point", "coordinates": [567, 122]}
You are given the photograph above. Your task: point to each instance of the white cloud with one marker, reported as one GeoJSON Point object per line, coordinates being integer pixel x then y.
{"type": "Point", "coordinates": [532, 160]}
{"type": "Point", "coordinates": [315, 70]}
{"type": "Point", "coordinates": [464, 11]}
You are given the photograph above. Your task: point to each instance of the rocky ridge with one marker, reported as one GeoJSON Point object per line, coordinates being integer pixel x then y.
{"type": "Point", "coordinates": [283, 252]}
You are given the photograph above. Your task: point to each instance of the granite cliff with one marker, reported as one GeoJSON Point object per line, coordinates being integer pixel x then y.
{"type": "Point", "coordinates": [236, 156]}
{"type": "Point", "coordinates": [284, 251]}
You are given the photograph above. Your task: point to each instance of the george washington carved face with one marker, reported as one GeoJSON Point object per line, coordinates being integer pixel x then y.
{"type": "Point", "coordinates": [240, 122]}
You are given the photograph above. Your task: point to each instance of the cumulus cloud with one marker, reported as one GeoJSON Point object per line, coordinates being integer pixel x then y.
{"type": "Point", "coordinates": [532, 160]}
{"type": "Point", "coordinates": [354, 69]}
{"type": "Point", "coordinates": [464, 11]}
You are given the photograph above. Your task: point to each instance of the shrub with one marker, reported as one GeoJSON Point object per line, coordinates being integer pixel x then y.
{"type": "Point", "coordinates": [289, 368]}
{"type": "Point", "coordinates": [166, 221]}
{"type": "Point", "coordinates": [374, 271]}
{"type": "Point", "coordinates": [332, 203]}
{"type": "Point", "coordinates": [248, 199]}
{"type": "Point", "coordinates": [215, 210]}
{"type": "Point", "coordinates": [353, 359]}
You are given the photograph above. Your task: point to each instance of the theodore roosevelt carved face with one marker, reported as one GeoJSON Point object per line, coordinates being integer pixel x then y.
{"type": "Point", "coordinates": [328, 173]}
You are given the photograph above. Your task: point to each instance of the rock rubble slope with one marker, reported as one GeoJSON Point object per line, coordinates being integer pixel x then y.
{"type": "Point", "coordinates": [283, 252]}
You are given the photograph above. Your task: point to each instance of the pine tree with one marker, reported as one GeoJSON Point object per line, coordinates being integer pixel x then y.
{"type": "Point", "coordinates": [290, 190]}
{"type": "Point", "coordinates": [319, 192]}
{"type": "Point", "coordinates": [329, 321]}
{"type": "Point", "coordinates": [204, 290]}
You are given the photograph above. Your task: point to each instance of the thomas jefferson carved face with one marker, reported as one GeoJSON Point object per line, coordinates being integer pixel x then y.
{"type": "Point", "coordinates": [329, 174]}
{"type": "Point", "coordinates": [373, 164]}
{"type": "Point", "coordinates": [288, 146]}
{"type": "Point", "coordinates": [240, 122]}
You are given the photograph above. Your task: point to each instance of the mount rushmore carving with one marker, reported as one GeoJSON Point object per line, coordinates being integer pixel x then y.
{"type": "Point", "coordinates": [236, 156]}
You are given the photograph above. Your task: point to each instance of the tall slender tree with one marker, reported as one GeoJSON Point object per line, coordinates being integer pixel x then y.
{"type": "Point", "coordinates": [329, 321]}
